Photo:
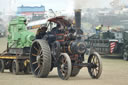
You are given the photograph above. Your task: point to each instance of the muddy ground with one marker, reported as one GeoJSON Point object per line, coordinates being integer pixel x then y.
{"type": "Point", "coordinates": [115, 72]}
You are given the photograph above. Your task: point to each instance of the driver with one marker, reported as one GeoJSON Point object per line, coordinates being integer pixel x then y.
{"type": "Point", "coordinates": [41, 32]}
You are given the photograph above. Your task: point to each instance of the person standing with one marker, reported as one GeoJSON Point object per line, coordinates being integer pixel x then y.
{"type": "Point", "coordinates": [98, 29]}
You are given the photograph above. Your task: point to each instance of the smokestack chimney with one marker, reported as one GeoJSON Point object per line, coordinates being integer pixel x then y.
{"type": "Point", "coordinates": [78, 18]}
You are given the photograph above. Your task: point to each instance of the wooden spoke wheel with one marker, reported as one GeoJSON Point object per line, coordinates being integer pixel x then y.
{"type": "Point", "coordinates": [95, 69]}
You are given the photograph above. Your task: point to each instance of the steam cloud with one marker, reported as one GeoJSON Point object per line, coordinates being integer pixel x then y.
{"type": "Point", "coordinates": [82, 4]}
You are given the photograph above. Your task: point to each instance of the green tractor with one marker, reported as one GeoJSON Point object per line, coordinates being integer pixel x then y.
{"type": "Point", "coordinates": [19, 38]}
{"type": "Point", "coordinates": [16, 57]}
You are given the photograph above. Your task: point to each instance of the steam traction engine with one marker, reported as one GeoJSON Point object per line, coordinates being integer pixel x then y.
{"type": "Point", "coordinates": [63, 47]}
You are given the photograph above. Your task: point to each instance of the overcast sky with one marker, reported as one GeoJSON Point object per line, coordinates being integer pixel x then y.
{"type": "Point", "coordinates": [54, 4]}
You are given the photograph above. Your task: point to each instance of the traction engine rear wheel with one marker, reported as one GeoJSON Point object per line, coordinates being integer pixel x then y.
{"type": "Point", "coordinates": [95, 69]}
{"type": "Point", "coordinates": [64, 66]}
{"type": "Point", "coordinates": [40, 58]}
{"type": "Point", "coordinates": [1, 65]}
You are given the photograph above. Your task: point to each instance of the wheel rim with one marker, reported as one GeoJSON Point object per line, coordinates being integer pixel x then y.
{"type": "Point", "coordinates": [36, 58]}
{"type": "Point", "coordinates": [95, 69]}
{"type": "Point", "coordinates": [64, 67]}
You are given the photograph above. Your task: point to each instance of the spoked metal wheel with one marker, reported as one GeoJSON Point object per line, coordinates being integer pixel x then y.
{"type": "Point", "coordinates": [40, 58]}
{"type": "Point", "coordinates": [15, 67]}
{"type": "Point", "coordinates": [1, 65]}
{"type": "Point", "coordinates": [75, 71]}
{"type": "Point", "coordinates": [64, 66]}
{"type": "Point", "coordinates": [95, 69]}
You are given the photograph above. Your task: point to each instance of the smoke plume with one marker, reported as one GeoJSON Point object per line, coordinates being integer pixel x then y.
{"type": "Point", "coordinates": [83, 4]}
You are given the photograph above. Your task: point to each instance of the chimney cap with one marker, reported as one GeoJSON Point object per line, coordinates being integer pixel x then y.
{"type": "Point", "coordinates": [77, 10]}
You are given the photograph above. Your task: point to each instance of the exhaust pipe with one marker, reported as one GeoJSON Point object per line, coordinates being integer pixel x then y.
{"type": "Point", "coordinates": [78, 19]}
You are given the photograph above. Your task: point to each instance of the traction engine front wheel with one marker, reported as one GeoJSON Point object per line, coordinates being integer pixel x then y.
{"type": "Point", "coordinates": [64, 66]}
{"type": "Point", "coordinates": [95, 69]}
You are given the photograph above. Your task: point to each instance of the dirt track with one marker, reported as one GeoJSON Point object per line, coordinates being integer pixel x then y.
{"type": "Point", "coordinates": [115, 72]}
